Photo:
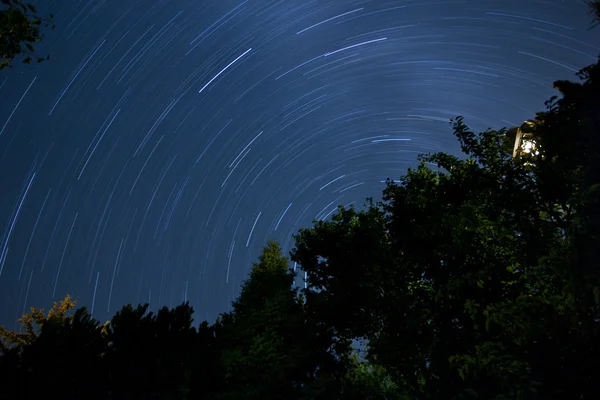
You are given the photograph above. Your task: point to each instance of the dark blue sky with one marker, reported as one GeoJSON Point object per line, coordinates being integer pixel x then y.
{"type": "Point", "coordinates": [166, 141]}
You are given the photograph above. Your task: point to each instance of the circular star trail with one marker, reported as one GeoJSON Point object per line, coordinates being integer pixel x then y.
{"type": "Point", "coordinates": [164, 142]}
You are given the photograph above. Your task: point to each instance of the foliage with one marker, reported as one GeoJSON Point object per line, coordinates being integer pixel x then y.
{"type": "Point", "coordinates": [267, 347]}
{"type": "Point", "coordinates": [594, 9]}
{"type": "Point", "coordinates": [53, 348]}
{"type": "Point", "coordinates": [20, 30]}
{"type": "Point", "coordinates": [476, 276]}
{"type": "Point", "coordinates": [31, 323]}
{"type": "Point", "coordinates": [369, 381]}
{"type": "Point", "coordinates": [273, 349]}
{"type": "Point", "coordinates": [151, 354]}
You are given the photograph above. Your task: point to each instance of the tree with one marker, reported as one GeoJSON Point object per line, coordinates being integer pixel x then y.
{"type": "Point", "coordinates": [271, 348]}
{"type": "Point", "coordinates": [151, 355]}
{"type": "Point", "coordinates": [20, 31]}
{"type": "Point", "coordinates": [54, 353]}
{"type": "Point", "coordinates": [32, 323]}
{"type": "Point", "coordinates": [368, 381]}
{"type": "Point", "coordinates": [267, 347]}
{"type": "Point", "coordinates": [479, 276]}
{"type": "Point", "coordinates": [594, 8]}
{"type": "Point", "coordinates": [137, 355]}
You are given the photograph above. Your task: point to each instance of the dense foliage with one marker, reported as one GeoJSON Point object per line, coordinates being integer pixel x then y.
{"type": "Point", "coordinates": [20, 31]}
{"type": "Point", "coordinates": [477, 277]}
{"type": "Point", "coordinates": [267, 347]}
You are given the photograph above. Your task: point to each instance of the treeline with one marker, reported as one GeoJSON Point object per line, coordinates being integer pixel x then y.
{"type": "Point", "coordinates": [475, 277]}
{"type": "Point", "coordinates": [267, 347]}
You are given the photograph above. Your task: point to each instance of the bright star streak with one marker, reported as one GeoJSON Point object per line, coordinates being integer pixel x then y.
{"type": "Point", "coordinates": [224, 69]}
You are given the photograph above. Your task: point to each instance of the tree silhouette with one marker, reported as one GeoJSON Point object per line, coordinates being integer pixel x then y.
{"type": "Point", "coordinates": [272, 349]}
{"type": "Point", "coordinates": [594, 8]}
{"type": "Point", "coordinates": [54, 348]}
{"type": "Point", "coordinates": [478, 276]}
{"type": "Point", "coordinates": [20, 31]}
{"type": "Point", "coordinates": [267, 347]}
{"type": "Point", "coordinates": [151, 355]}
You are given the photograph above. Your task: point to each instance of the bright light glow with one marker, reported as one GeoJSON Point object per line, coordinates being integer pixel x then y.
{"type": "Point", "coordinates": [528, 147]}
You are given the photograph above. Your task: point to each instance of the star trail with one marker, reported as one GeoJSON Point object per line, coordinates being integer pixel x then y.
{"type": "Point", "coordinates": [161, 146]}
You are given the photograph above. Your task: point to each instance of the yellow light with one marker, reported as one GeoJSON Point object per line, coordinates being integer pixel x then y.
{"type": "Point", "coordinates": [528, 147]}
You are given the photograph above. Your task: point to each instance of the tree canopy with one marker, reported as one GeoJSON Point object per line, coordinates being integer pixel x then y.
{"type": "Point", "coordinates": [20, 30]}
{"type": "Point", "coordinates": [477, 277]}
{"type": "Point", "coordinates": [267, 347]}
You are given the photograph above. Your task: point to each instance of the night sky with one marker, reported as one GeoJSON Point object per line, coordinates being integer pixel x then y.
{"type": "Point", "coordinates": [166, 141]}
